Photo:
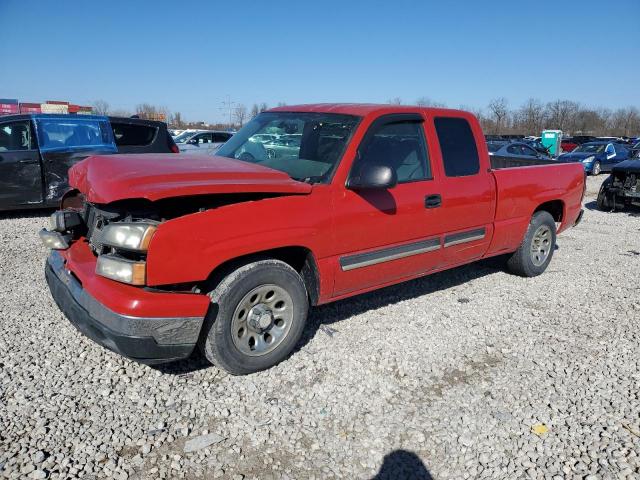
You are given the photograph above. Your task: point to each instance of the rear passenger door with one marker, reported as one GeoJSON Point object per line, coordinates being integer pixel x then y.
{"type": "Point", "coordinates": [467, 189]}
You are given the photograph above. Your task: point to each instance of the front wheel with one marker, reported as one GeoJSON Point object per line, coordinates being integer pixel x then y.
{"type": "Point", "coordinates": [262, 308]}
{"type": "Point", "coordinates": [595, 171]}
{"type": "Point", "coordinates": [536, 250]}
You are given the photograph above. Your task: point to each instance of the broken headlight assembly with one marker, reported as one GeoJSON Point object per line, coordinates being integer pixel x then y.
{"type": "Point", "coordinates": [134, 236]}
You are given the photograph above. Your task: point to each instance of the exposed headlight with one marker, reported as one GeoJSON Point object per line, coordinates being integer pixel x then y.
{"type": "Point", "coordinates": [588, 159]}
{"type": "Point", "coordinates": [54, 240]}
{"type": "Point", "coordinates": [121, 269]}
{"type": "Point", "coordinates": [130, 236]}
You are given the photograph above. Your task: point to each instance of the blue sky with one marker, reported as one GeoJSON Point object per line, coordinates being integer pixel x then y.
{"type": "Point", "coordinates": [188, 56]}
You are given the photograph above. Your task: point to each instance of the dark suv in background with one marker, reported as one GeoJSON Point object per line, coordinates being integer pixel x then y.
{"type": "Point", "coordinates": [37, 150]}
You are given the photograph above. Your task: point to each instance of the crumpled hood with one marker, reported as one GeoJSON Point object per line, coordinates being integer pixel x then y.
{"type": "Point", "coordinates": [108, 178]}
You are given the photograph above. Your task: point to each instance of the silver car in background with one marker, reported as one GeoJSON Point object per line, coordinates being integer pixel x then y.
{"type": "Point", "coordinates": [204, 142]}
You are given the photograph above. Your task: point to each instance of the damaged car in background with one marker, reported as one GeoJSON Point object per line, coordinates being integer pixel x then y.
{"type": "Point", "coordinates": [622, 188]}
{"type": "Point", "coordinates": [36, 151]}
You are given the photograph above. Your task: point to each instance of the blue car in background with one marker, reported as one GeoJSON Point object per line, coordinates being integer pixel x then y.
{"type": "Point", "coordinates": [597, 157]}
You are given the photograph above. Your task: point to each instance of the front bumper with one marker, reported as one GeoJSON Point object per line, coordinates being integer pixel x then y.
{"type": "Point", "coordinates": [148, 340]}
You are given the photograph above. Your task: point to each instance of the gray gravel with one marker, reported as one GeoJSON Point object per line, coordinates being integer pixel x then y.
{"type": "Point", "coordinates": [450, 376]}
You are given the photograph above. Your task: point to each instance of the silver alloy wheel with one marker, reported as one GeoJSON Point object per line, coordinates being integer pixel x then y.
{"type": "Point", "coordinates": [541, 245]}
{"type": "Point", "coordinates": [262, 320]}
{"type": "Point", "coordinates": [596, 168]}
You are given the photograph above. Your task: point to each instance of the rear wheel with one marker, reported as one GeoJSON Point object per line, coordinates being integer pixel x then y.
{"type": "Point", "coordinates": [261, 311]}
{"type": "Point", "coordinates": [536, 250]}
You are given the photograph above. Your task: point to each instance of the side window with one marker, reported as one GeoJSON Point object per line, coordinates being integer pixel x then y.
{"type": "Point", "coordinates": [15, 136]}
{"type": "Point", "coordinates": [528, 151]}
{"type": "Point", "coordinates": [399, 145]}
{"type": "Point", "coordinates": [133, 135]}
{"type": "Point", "coordinates": [220, 137]}
{"type": "Point", "coordinates": [458, 147]}
{"type": "Point", "coordinates": [513, 150]}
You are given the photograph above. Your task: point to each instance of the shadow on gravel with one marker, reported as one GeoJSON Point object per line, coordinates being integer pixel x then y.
{"type": "Point", "coordinates": [321, 317]}
{"type": "Point", "coordinates": [631, 210]}
{"type": "Point", "coordinates": [402, 465]}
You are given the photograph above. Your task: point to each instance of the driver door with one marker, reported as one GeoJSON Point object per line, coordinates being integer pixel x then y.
{"type": "Point", "coordinates": [20, 167]}
{"type": "Point", "coordinates": [384, 235]}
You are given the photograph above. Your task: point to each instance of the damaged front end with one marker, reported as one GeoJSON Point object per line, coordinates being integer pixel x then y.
{"type": "Point", "coordinates": [119, 233]}
{"type": "Point", "coordinates": [622, 188]}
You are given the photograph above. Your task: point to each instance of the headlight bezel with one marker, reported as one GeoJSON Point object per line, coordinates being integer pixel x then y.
{"type": "Point", "coordinates": [129, 236]}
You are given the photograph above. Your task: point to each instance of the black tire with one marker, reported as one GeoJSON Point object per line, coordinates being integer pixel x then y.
{"type": "Point", "coordinates": [596, 169]}
{"type": "Point", "coordinates": [605, 201]}
{"type": "Point", "coordinates": [216, 342]}
{"type": "Point", "coordinates": [522, 261]}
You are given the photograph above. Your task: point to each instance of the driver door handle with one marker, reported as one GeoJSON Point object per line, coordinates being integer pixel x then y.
{"type": "Point", "coordinates": [27, 161]}
{"type": "Point", "coordinates": [432, 201]}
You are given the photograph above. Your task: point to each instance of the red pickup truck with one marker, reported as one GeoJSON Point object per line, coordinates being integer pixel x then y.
{"type": "Point", "coordinates": [154, 254]}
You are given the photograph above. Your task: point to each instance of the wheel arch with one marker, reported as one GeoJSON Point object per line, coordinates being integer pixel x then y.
{"type": "Point", "coordinates": [556, 208]}
{"type": "Point", "coordinates": [300, 258]}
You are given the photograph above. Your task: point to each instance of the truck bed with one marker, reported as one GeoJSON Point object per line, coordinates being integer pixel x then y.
{"type": "Point", "coordinates": [502, 161]}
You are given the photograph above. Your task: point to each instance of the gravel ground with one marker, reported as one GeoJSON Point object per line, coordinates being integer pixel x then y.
{"type": "Point", "coordinates": [471, 373]}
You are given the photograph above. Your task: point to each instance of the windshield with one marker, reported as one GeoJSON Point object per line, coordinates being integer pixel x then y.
{"type": "Point", "coordinates": [64, 132]}
{"type": "Point", "coordinates": [183, 137]}
{"type": "Point", "coordinates": [306, 146]}
{"type": "Point", "coordinates": [591, 148]}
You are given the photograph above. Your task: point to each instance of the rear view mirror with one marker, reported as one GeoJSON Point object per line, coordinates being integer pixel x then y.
{"type": "Point", "coordinates": [373, 177]}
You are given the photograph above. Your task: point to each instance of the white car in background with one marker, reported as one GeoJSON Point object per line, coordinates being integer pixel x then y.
{"type": "Point", "coordinates": [205, 142]}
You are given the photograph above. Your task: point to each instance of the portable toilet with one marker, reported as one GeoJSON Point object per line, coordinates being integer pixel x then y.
{"type": "Point", "coordinates": [551, 140]}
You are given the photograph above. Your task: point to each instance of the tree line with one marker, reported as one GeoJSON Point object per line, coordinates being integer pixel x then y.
{"type": "Point", "coordinates": [533, 116]}
{"type": "Point", "coordinates": [496, 118]}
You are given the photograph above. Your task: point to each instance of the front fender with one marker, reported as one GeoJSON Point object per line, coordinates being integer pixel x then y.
{"type": "Point", "coordinates": [187, 249]}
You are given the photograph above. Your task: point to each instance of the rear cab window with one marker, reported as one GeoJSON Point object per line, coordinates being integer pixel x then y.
{"type": "Point", "coordinates": [458, 146]}
{"type": "Point", "coordinates": [133, 135]}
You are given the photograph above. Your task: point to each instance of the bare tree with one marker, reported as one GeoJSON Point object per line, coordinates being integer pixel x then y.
{"type": "Point", "coordinates": [263, 107]}
{"type": "Point", "coordinates": [395, 101]}
{"type": "Point", "coordinates": [498, 108]}
{"type": "Point", "coordinates": [282, 104]}
{"type": "Point", "coordinates": [427, 102]}
{"type": "Point", "coordinates": [100, 107]}
{"type": "Point", "coordinates": [240, 114]}
{"type": "Point", "coordinates": [176, 120]}
{"type": "Point", "coordinates": [561, 113]}
{"type": "Point", "coordinates": [530, 117]}
{"type": "Point", "coordinates": [120, 112]}
{"type": "Point", "coordinates": [255, 110]}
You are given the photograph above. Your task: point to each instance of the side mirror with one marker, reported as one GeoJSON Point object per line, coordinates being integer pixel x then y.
{"type": "Point", "coordinates": [373, 177]}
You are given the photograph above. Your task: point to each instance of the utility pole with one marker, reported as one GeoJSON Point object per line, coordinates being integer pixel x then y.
{"type": "Point", "coordinates": [227, 105]}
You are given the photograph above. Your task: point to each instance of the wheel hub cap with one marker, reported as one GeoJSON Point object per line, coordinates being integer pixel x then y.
{"type": "Point", "coordinates": [260, 317]}
{"type": "Point", "coordinates": [541, 245]}
{"type": "Point", "coordinates": [262, 320]}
